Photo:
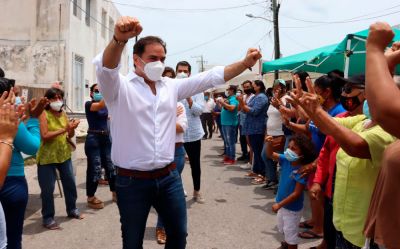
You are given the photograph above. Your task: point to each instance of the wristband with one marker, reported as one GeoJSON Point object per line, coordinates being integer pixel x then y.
{"type": "Point", "coordinates": [121, 43]}
{"type": "Point", "coordinates": [9, 144]}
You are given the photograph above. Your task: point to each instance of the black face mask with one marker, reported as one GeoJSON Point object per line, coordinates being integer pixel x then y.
{"type": "Point", "coordinates": [249, 91]}
{"type": "Point", "coordinates": [350, 103]}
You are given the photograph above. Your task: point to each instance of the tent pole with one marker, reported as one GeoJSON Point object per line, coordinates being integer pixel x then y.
{"type": "Point", "coordinates": [347, 60]}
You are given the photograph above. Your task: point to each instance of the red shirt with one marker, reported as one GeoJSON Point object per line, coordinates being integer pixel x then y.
{"type": "Point", "coordinates": [327, 162]}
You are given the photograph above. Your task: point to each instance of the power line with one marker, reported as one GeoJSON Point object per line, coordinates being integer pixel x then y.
{"type": "Point", "coordinates": [91, 17]}
{"type": "Point", "coordinates": [212, 40]}
{"type": "Point", "coordinates": [183, 10]}
{"type": "Point", "coordinates": [342, 21]}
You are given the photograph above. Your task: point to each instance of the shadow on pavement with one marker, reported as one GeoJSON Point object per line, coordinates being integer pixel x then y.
{"type": "Point", "coordinates": [241, 181]}
{"type": "Point", "coordinates": [275, 233]}
{"type": "Point", "coordinates": [34, 205]}
{"type": "Point", "coordinates": [35, 226]}
{"type": "Point", "coordinates": [267, 208]}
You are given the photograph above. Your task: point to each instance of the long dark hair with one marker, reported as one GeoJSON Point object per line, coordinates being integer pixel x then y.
{"type": "Point", "coordinates": [332, 82]}
{"type": "Point", "coordinates": [261, 85]}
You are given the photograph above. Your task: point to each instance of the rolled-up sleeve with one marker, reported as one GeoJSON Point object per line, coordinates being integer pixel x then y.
{"type": "Point", "coordinates": [198, 104]}
{"type": "Point", "coordinates": [109, 80]}
{"type": "Point", "coordinates": [200, 82]}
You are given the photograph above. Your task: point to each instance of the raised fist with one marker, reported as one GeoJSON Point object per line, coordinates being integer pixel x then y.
{"type": "Point", "coordinates": [252, 56]}
{"type": "Point", "coordinates": [126, 28]}
{"type": "Point", "coordinates": [380, 35]}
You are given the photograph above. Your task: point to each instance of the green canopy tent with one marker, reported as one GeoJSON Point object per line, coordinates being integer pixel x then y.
{"type": "Point", "coordinates": [348, 56]}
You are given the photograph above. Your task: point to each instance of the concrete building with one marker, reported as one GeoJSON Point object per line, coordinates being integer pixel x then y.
{"type": "Point", "coordinates": [43, 41]}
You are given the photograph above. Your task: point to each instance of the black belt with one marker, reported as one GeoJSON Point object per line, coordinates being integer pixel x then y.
{"type": "Point", "coordinates": [100, 132]}
{"type": "Point", "coordinates": [149, 175]}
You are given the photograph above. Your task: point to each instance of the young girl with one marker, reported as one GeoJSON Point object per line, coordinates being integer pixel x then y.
{"type": "Point", "coordinates": [289, 199]}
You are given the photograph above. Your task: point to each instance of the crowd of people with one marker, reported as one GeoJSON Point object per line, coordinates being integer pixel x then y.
{"type": "Point", "coordinates": [335, 136]}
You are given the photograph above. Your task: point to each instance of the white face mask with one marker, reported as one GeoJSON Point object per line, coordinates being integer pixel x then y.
{"type": "Point", "coordinates": [56, 105]}
{"type": "Point", "coordinates": [181, 75]}
{"type": "Point", "coordinates": [153, 70]}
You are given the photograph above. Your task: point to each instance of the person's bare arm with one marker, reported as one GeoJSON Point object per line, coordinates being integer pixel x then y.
{"type": "Point", "coordinates": [233, 70]}
{"type": "Point", "coordinates": [125, 28]}
{"type": "Point", "coordinates": [270, 153]}
{"type": "Point", "coordinates": [382, 93]}
{"type": "Point", "coordinates": [291, 198]}
{"type": "Point", "coordinates": [44, 129]}
{"type": "Point", "coordinates": [97, 106]}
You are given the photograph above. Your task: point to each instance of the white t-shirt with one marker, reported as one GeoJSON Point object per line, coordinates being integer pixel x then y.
{"type": "Point", "coordinates": [274, 122]}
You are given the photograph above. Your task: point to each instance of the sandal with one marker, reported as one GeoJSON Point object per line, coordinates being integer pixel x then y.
{"type": "Point", "coordinates": [309, 234]}
{"type": "Point", "coordinates": [259, 180]}
{"type": "Point", "coordinates": [95, 203]}
{"type": "Point", "coordinates": [76, 215]}
{"type": "Point", "coordinates": [251, 175]}
{"type": "Point", "coordinates": [306, 225]}
{"type": "Point", "coordinates": [52, 226]}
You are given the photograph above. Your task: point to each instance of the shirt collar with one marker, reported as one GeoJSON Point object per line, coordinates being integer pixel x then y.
{"type": "Point", "coordinates": [132, 75]}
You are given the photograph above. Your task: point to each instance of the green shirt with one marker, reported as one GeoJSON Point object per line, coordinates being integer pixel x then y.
{"type": "Point", "coordinates": [230, 117]}
{"type": "Point", "coordinates": [57, 150]}
{"type": "Point", "coordinates": [355, 180]}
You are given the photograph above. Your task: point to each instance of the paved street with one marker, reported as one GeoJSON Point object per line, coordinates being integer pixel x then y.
{"type": "Point", "coordinates": [236, 214]}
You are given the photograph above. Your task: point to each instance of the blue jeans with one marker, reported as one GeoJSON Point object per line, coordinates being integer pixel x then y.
{"type": "Point", "coordinates": [14, 198]}
{"type": "Point", "coordinates": [136, 196]}
{"type": "Point", "coordinates": [179, 160]}
{"type": "Point", "coordinates": [47, 178]}
{"type": "Point", "coordinates": [98, 153]}
{"type": "Point", "coordinates": [230, 138]}
{"type": "Point", "coordinates": [270, 165]}
{"type": "Point", "coordinates": [256, 143]}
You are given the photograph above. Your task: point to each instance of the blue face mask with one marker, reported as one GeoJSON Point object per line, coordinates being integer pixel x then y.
{"type": "Point", "coordinates": [291, 156]}
{"type": "Point", "coordinates": [18, 100]}
{"type": "Point", "coordinates": [366, 110]}
{"type": "Point", "coordinates": [97, 97]}
{"type": "Point", "coordinates": [206, 98]}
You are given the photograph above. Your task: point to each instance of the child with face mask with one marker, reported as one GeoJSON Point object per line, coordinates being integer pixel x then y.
{"type": "Point", "coordinates": [290, 197]}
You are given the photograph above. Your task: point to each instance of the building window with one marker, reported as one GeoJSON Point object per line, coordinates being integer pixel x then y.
{"type": "Point", "coordinates": [103, 23]}
{"type": "Point", "coordinates": [76, 8]}
{"type": "Point", "coordinates": [78, 83]}
{"type": "Point", "coordinates": [87, 16]}
{"type": "Point", "coordinates": [110, 28]}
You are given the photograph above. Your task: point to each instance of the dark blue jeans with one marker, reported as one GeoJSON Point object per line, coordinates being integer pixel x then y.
{"type": "Point", "coordinates": [179, 160]}
{"type": "Point", "coordinates": [230, 138]}
{"type": "Point", "coordinates": [135, 197]}
{"type": "Point", "coordinates": [270, 165]}
{"type": "Point", "coordinates": [98, 153]}
{"type": "Point", "coordinates": [47, 178]}
{"type": "Point", "coordinates": [256, 143]}
{"type": "Point", "coordinates": [14, 198]}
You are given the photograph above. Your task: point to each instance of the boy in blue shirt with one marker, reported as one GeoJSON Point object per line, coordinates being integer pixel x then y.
{"type": "Point", "coordinates": [290, 197]}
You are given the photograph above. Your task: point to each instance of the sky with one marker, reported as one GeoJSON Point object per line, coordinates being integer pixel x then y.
{"type": "Point", "coordinates": [220, 31]}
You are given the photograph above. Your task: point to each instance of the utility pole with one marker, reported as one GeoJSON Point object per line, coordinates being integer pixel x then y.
{"type": "Point", "coordinates": [201, 62]}
{"type": "Point", "coordinates": [275, 11]}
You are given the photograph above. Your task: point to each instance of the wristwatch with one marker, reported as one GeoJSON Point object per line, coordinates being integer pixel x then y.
{"type": "Point", "coordinates": [120, 43]}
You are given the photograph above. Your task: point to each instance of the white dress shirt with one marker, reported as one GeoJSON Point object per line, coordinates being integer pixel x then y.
{"type": "Point", "coordinates": [144, 125]}
{"type": "Point", "coordinates": [209, 106]}
{"type": "Point", "coordinates": [183, 122]}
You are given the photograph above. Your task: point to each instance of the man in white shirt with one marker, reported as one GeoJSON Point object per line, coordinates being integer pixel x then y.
{"type": "Point", "coordinates": [143, 107]}
{"type": "Point", "coordinates": [206, 117]}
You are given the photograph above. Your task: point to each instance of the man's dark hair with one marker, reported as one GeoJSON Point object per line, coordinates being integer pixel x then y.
{"type": "Point", "coordinates": [306, 147]}
{"type": "Point", "coordinates": [185, 64]}
{"type": "Point", "coordinates": [270, 93]}
{"type": "Point", "coordinates": [260, 84]}
{"type": "Point", "coordinates": [233, 88]}
{"type": "Point", "coordinates": [1, 73]}
{"type": "Point", "coordinates": [336, 72]}
{"type": "Point", "coordinates": [51, 93]}
{"type": "Point", "coordinates": [246, 82]}
{"type": "Point", "coordinates": [141, 44]}
{"type": "Point", "coordinates": [92, 87]}
{"type": "Point", "coordinates": [6, 84]}
{"type": "Point", "coordinates": [303, 76]}
{"type": "Point", "coordinates": [169, 70]}
{"type": "Point", "coordinates": [332, 82]}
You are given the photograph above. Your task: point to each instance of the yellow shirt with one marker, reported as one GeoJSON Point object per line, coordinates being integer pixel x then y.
{"type": "Point", "coordinates": [56, 150]}
{"type": "Point", "coordinates": [355, 180]}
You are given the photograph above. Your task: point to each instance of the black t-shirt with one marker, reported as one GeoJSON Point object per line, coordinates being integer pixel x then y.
{"type": "Point", "coordinates": [97, 120]}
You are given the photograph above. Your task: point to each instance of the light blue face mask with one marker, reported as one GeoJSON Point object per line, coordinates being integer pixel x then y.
{"type": "Point", "coordinates": [291, 156]}
{"type": "Point", "coordinates": [366, 110]}
{"type": "Point", "coordinates": [206, 98]}
{"type": "Point", "coordinates": [18, 101]}
{"type": "Point", "coordinates": [97, 97]}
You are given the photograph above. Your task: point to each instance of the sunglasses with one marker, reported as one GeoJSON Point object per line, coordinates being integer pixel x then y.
{"type": "Point", "coordinates": [349, 89]}
{"type": "Point", "coordinates": [96, 91]}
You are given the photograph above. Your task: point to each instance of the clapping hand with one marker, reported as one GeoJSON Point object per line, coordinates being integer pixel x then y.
{"type": "Point", "coordinates": [179, 111]}
{"type": "Point", "coordinates": [73, 124]}
{"type": "Point", "coordinates": [7, 97]}
{"type": "Point", "coordinates": [35, 108]}
{"type": "Point", "coordinates": [8, 122]}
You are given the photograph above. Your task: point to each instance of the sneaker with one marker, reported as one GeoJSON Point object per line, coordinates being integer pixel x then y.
{"type": "Point", "coordinates": [271, 185]}
{"type": "Point", "coordinates": [246, 166]}
{"type": "Point", "coordinates": [184, 192]}
{"type": "Point", "coordinates": [243, 158]}
{"type": "Point", "coordinates": [198, 198]}
{"type": "Point", "coordinates": [161, 236]}
{"type": "Point", "coordinates": [230, 162]}
{"type": "Point", "coordinates": [226, 158]}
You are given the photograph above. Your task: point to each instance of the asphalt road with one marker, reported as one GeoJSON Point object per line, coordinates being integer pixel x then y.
{"type": "Point", "coordinates": [236, 214]}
